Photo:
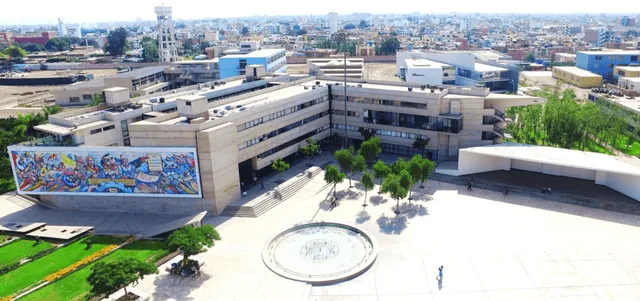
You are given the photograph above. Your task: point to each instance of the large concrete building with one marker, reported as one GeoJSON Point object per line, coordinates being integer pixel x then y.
{"type": "Point", "coordinates": [577, 77]}
{"type": "Point", "coordinates": [602, 62]}
{"type": "Point", "coordinates": [236, 129]}
{"type": "Point", "coordinates": [336, 67]}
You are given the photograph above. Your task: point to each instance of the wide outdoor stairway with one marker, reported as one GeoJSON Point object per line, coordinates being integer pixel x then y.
{"type": "Point", "coordinates": [277, 196]}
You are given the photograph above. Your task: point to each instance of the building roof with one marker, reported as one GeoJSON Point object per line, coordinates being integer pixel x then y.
{"type": "Point", "coordinates": [628, 68]}
{"type": "Point", "coordinates": [139, 73]}
{"type": "Point", "coordinates": [557, 156]}
{"type": "Point", "coordinates": [612, 52]}
{"type": "Point", "coordinates": [418, 63]}
{"type": "Point", "coordinates": [257, 53]}
{"type": "Point", "coordinates": [577, 71]}
{"type": "Point", "coordinates": [488, 68]}
{"type": "Point", "coordinates": [64, 130]}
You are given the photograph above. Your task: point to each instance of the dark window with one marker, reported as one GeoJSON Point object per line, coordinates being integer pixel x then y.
{"type": "Point", "coordinates": [187, 103]}
{"type": "Point", "coordinates": [125, 128]}
{"type": "Point", "coordinates": [108, 128]}
{"type": "Point", "coordinates": [87, 97]}
{"type": "Point", "coordinates": [74, 99]}
{"type": "Point", "coordinates": [92, 132]}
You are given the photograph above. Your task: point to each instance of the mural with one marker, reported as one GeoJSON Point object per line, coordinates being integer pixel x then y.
{"type": "Point", "coordinates": [106, 170]}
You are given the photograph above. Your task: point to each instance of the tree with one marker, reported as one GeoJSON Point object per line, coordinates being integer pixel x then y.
{"type": "Point", "coordinates": [51, 110]}
{"type": "Point", "coordinates": [245, 31]}
{"type": "Point", "coordinates": [530, 57]}
{"type": "Point", "coordinates": [390, 46]}
{"type": "Point", "coordinates": [150, 52]}
{"type": "Point", "coordinates": [392, 186]}
{"type": "Point", "coordinates": [415, 169]}
{"type": "Point", "coordinates": [345, 160]}
{"type": "Point", "coordinates": [107, 278]}
{"type": "Point", "coordinates": [192, 240]}
{"type": "Point", "coordinates": [398, 166]}
{"type": "Point", "coordinates": [117, 42]}
{"type": "Point", "coordinates": [57, 44]}
{"type": "Point", "coordinates": [333, 176]}
{"type": "Point", "coordinates": [14, 52]}
{"type": "Point", "coordinates": [203, 47]}
{"type": "Point", "coordinates": [366, 133]}
{"type": "Point", "coordinates": [32, 47]}
{"type": "Point", "coordinates": [359, 164]}
{"type": "Point", "coordinates": [279, 165]}
{"type": "Point", "coordinates": [363, 24]}
{"type": "Point", "coordinates": [367, 182]}
{"type": "Point", "coordinates": [301, 32]}
{"type": "Point", "coordinates": [380, 171]}
{"type": "Point", "coordinates": [406, 180]}
{"type": "Point", "coordinates": [311, 149]}
{"type": "Point", "coordinates": [427, 167]}
{"type": "Point", "coordinates": [350, 26]}
{"type": "Point", "coordinates": [96, 100]}
{"type": "Point", "coordinates": [370, 149]}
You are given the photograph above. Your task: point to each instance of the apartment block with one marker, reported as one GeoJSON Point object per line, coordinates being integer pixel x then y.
{"type": "Point", "coordinates": [603, 62]}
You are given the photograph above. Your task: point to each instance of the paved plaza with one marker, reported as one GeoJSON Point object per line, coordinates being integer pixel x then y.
{"type": "Point", "coordinates": [492, 247]}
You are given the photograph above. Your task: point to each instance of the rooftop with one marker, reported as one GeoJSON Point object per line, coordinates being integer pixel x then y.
{"type": "Point", "coordinates": [557, 156]}
{"type": "Point", "coordinates": [612, 52]}
{"type": "Point", "coordinates": [257, 53]}
{"type": "Point", "coordinates": [139, 73]}
{"type": "Point", "coordinates": [577, 71]}
{"type": "Point", "coordinates": [488, 68]}
{"type": "Point", "coordinates": [628, 68]}
{"type": "Point", "coordinates": [417, 63]}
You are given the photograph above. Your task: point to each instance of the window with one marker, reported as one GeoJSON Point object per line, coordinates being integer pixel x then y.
{"type": "Point", "coordinates": [74, 99]}
{"type": "Point", "coordinates": [87, 97]}
{"type": "Point", "coordinates": [125, 128]}
{"type": "Point", "coordinates": [620, 72]}
{"type": "Point", "coordinates": [108, 128]}
{"type": "Point", "coordinates": [93, 132]}
{"type": "Point", "coordinates": [188, 103]}
{"type": "Point", "coordinates": [127, 142]}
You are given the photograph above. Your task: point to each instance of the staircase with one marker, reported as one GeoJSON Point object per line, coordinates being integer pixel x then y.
{"type": "Point", "coordinates": [280, 195]}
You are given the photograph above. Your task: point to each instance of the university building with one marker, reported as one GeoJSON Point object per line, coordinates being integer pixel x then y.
{"type": "Point", "coordinates": [229, 133]}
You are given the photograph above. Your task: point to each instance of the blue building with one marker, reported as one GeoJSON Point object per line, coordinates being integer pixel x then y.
{"type": "Point", "coordinates": [273, 60]}
{"type": "Point", "coordinates": [603, 62]}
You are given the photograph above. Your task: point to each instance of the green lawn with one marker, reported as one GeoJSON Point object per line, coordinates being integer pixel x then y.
{"type": "Point", "coordinates": [34, 271]}
{"type": "Point", "coordinates": [593, 146]}
{"type": "Point", "coordinates": [20, 249]}
{"type": "Point", "coordinates": [76, 287]}
{"type": "Point", "coordinates": [622, 145]}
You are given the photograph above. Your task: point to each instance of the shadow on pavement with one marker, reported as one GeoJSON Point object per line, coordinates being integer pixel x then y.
{"type": "Point", "coordinates": [412, 210]}
{"type": "Point", "coordinates": [173, 287]}
{"type": "Point", "coordinates": [377, 200]}
{"type": "Point", "coordinates": [392, 225]}
{"type": "Point", "coordinates": [362, 217]}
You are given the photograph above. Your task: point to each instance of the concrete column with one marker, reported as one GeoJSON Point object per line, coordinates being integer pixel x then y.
{"type": "Point", "coordinates": [601, 177]}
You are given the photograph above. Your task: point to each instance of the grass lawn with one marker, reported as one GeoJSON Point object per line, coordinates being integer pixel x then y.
{"type": "Point", "coordinates": [34, 271]}
{"type": "Point", "coordinates": [20, 249]}
{"type": "Point", "coordinates": [593, 146]}
{"type": "Point", "coordinates": [76, 287]}
{"type": "Point", "coordinates": [633, 149]}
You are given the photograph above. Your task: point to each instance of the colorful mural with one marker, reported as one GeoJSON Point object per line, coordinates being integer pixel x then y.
{"type": "Point", "coordinates": [106, 170]}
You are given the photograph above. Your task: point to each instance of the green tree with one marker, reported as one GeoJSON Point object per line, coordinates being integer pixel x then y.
{"type": "Point", "coordinates": [345, 159]}
{"type": "Point", "coordinates": [390, 46]}
{"type": "Point", "coordinates": [427, 167]}
{"type": "Point", "coordinates": [187, 45]}
{"type": "Point", "coordinates": [530, 57]}
{"type": "Point", "coordinates": [406, 180]}
{"type": "Point", "coordinates": [14, 52]}
{"type": "Point", "coordinates": [192, 240]}
{"type": "Point", "coordinates": [367, 182]}
{"type": "Point", "coordinates": [32, 47]}
{"type": "Point", "coordinates": [380, 171]}
{"type": "Point", "coordinates": [415, 169]}
{"type": "Point", "coordinates": [245, 31]}
{"type": "Point", "coordinates": [96, 100]}
{"type": "Point", "coordinates": [51, 110]}
{"type": "Point", "coordinates": [398, 166]}
{"type": "Point", "coordinates": [279, 166]}
{"type": "Point", "coordinates": [203, 47]}
{"type": "Point", "coordinates": [359, 164]}
{"type": "Point", "coordinates": [109, 277]}
{"type": "Point", "coordinates": [117, 42]}
{"type": "Point", "coordinates": [333, 176]}
{"type": "Point", "coordinates": [57, 44]}
{"type": "Point", "coordinates": [392, 186]}
{"type": "Point", "coordinates": [311, 149]}
{"type": "Point", "coordinates": [150, 52]}
{"type": "Point", "coordinates": [370, 149]}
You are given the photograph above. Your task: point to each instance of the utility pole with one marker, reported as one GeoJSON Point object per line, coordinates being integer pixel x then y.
{"type": "Point", "coordinates": [345, 100]}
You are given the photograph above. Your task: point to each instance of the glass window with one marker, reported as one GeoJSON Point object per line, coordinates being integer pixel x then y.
{"type": "Point", "coordinates": [93, 132]}
{"type": "Point", "coordinates": [125, 128]}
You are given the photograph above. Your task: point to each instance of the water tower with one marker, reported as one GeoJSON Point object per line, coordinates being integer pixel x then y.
{"type": "Point", "coordinates": [166, 35]}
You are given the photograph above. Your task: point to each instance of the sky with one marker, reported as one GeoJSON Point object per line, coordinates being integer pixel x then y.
{"type": "Point", "coordinates": [48, 12]}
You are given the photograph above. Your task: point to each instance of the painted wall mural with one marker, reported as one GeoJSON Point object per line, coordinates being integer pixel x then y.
{"type": "Point", "coordinates": [134, 171]}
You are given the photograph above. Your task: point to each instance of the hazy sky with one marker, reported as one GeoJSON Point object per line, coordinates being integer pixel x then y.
{"type": "Point", "coordinates": [47, 11]}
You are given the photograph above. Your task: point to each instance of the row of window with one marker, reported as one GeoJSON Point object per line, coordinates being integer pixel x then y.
{"type": "Point", "coordinates": [384, 102]}
{"type": "Point", "coordinates": [212, 99]}
{"type": "Point", "coordinates": [275, 57]}
{"type": "Point", "coordinates": [292, 142]}
{"type": "Point", "coordinates": [279, 114]}
{"type": "Point", "coordinates": [429, 123]}
{"type": "Point", "coordinates": [381, 132]}
{"type": "Point", "coordinates": [349, 113]}
{"type": "Point", "coordinates": [100, 130]}
{"type": "Point", "coordinates": [281, 130]}
{"type": "Point", "coordinates": [409, 151]}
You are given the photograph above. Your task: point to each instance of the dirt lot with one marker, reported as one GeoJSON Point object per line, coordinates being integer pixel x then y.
{"type": "Point", "coordinates": [376, 71]}
{"type": "Point", "coordinates": [543, 79]}
{"type": "Point", "coordinates": [97, 73]}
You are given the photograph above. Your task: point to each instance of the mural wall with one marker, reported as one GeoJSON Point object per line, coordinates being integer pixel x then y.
{"type": "Point", "coordinates": [134, 171]}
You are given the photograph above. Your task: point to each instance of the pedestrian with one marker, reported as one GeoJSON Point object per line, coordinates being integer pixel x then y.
{"type": "Point", "coordinates": [549, 190]}
{"type": "Point", "coordinates": [544, 190]}
{"type": "Point", "coordinates": [469, 186]}
{"type": "Point", "coordinates": [506, 190]}
{"type": "Point", "coordinates": [440, 273]}
{"type": "Point", "coordinates": [262, 185]}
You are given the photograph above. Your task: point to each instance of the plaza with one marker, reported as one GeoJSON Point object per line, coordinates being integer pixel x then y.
{"type": "Point", "coordinates": [492, 247]}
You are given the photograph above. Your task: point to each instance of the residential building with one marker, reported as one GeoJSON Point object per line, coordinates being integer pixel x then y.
{"type": "Point", "coordinates": [35, 39]}
{"type": "Point", "coordinates": [569, 58]}
{"type": "Point", "coordinates": [366, 50]}
{"type": "Point", "coordinates": [237, 129]}
{"type": "Point", "coordinates": [630, 83]}
{"type": "Point", "coordinates": [6, 38]}
{"type": "Point", "coordinates": [211, 36]}
{"type": "Point", "coordinates": [626, 71]}
{"type": "Point", "coordinates": [335, 67]}
{"type": "Point", "coordinates": [333, 22]}
{"type": "Point", "coordinates": [184, 73]}
{"type": "Point", "coordinates": [577, 77]}
{"type": "Point", "coordinates": [273, 60]}
{"type": "Point", "coordinates": [602, 62]}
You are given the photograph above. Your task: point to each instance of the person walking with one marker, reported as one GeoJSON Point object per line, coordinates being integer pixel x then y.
{"type": "Point", "coordinates": [440, 273]}
{"type": "Point", "coordinates": [506, 190]}
{"type": "Point", "coordinates": [469, 186]}
{"type": "Point", "coordinates": [262, 185]}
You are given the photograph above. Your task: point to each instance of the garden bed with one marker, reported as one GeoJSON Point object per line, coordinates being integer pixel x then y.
{"type": "Point", "coordinates": [75, 285]}
{"type": "Point", "coordinates": [11, 254]}
{"type": "Point", "coordinates": [32, 273]}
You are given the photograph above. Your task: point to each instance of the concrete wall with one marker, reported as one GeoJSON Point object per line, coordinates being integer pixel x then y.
{"type": "Point", "coordinates": [556, 170]}
{"type": "Point", "coordinates": [626, 184]}
{"type": "Point", "coordinates": [126, 204]}
{"type": "Point", "coordinates": [470, 163]}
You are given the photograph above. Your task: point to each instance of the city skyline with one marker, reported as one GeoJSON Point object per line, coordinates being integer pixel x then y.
{"type": "Point", "coordinates": [49, 12]}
